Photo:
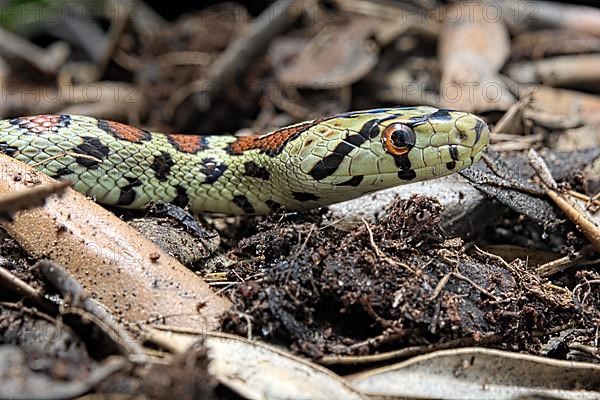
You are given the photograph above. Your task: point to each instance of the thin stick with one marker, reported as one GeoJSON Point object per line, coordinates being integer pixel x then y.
{"type": "Point", "coordinates": [22, 288]}
{"type": "Point", "coordinates": [312, 228]}
{"type": "Point", "coordinates": [476, 286]}
{"type": "Point", "coordinates": [592, 200]}
{"type": "Point", "coordinates": [381, 254]}
{"type": "Point", "coordinates": [577, 216]}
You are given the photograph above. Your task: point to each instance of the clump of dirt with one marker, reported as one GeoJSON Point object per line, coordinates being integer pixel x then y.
{"type": "Point", "coordinates": [396, 283]}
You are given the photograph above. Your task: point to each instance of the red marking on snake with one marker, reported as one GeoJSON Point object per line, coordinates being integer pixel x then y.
{"type": "Point", "coordinates": [187, 143]}
{"type": "Point", "coordinates": [40, 124]}
{"type": "Point", "coordinates": [271, 143]}
{"type": "Point", "coordinates": [123, 131]}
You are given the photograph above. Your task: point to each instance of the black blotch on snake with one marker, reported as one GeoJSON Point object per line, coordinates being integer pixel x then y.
{"type": "Point", "coordinates": [454, 152]}
{"type": "Point", "coordinates": [441, 115]}
{"type": "Point", "coordinates": [8, 150]}
{"type": "Point", "coordinates": [127, 195]}
{"type": "Point", "coordinates": [242, 202]}
{"type": "Point", "coordinates": [273, 205]}
{"type": "Point", "coordinates": [354, 181]}
{"type": "Point", "coordinates": [406, 173]}
{"type": "Point", "coordinates": [304, 196]}
{"type": "Point", "coordinates": [254, 170]}
{"type": "Point", "coordinates": [64, 171]}
{"type": "Point", "coordinates": [92, 147]}
{"type": "Point", "coordinates": [162, 165]}
{"type": "Point", "coordinates": [479, 126]}
{"type": "Point", "coordinates": [213, 169]}
{"type": "Point", "coordinates": [182, 199]}
{"type": "Point", "coordinates": [330, 163]}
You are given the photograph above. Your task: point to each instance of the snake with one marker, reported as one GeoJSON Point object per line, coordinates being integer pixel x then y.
{"type": "Point", "coordinates": [302, 166]}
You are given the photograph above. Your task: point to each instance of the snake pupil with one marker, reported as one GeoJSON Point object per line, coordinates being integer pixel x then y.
{"type": "Point", "coordinates": [399, 138]}
{"type": "Point", "coordinates": [403, 137]}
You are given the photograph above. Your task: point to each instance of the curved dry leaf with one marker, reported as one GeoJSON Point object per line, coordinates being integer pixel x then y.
{"type": "Point", "coordinates": [256, 370]}
{"type": "Point", "coordinates": [479, 373]}
{"type": "Point", "coordinates": [336, 57]}
{"type": "Point", "coordinates": [117, 265]}
{"type": "Point", "coordinates": [259, 371]}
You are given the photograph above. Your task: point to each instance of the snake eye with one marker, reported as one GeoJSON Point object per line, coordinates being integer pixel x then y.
{"type": "Point", "coordinates": [398, 139]}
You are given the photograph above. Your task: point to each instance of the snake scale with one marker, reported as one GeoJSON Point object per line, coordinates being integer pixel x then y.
{"type": "Point", "coordinates": [302, 166]}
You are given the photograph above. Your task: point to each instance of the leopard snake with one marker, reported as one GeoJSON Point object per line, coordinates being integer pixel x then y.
{"type": "Point", "coordinates": [302, 166]}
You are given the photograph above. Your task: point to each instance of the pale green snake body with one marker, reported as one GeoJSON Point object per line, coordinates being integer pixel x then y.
{"type": "Point", "coordinates": [306, 165]}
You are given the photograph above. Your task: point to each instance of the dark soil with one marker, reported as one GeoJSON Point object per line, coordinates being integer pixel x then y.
{"type": "Point", "coordinates": [397, 283]}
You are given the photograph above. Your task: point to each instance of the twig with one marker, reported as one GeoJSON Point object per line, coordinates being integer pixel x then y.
{"type": "Point", "coordinates": [22, 288]}
{"type": "Point", "coordinates": [47, 60]}
{"type": "Point", "coordinates": [476, 286]}
{"type": "Point", "coordinates": [514, 112]}
{"type": "Point", "coordinates": [571, 210]}
{"type": "Point", "coordinates": [440, 286]}
{"type": "Point", "coordinates": [509, 142]}
{"type": "Point", "coordinates": [560, 264]}
{"type": "Point", "coordinates": [122, 10]}
{"type": "Point", "coordinates": [581, 285]}
{"type": "Point", "coordinates": [293, 108]}
{"type": "Point", "coordinates": [591, 200]}
{"type": "Point", "coordinates": [242, 52]}
{"type": "Point", "coordinates": [408, 351]}
{"type": "Point", "coordinates": [384, 256]}
{"type": "Point", "coordinates": [495, 257]}
{"type": "Point", "coordinates": [10, 203]}
{"type": "Point", "coordinates": [541, 169]}
{"type": "Point", "coordinates": [335, 222]}
{"type": "Point", "coordinates": [215, 277]}
{"type": "Point", "coordinates": [184, 58]}
{"type": "Point", "coordinates": [230, 283]}
{"type": "Point", "coordinates": [312, 228]}
{"type": "Point", "coordinates": [585, 348]}
{"type": "Point", "coordinates": [248, 319]}
{"type": "Point", "coordinates": [226, 288]}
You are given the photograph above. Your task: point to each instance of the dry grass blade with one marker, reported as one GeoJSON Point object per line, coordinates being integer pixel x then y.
{"type": "Point", "coordinates": [477, 373]}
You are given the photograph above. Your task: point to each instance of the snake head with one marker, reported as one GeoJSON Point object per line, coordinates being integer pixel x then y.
{"type": "Point", "coordinates": [364, 151]}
